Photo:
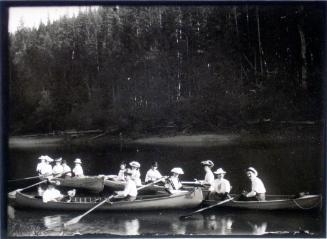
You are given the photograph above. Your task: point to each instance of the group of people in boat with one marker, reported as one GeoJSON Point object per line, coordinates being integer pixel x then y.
{"type": "Point", "coordinates": [60, 168]}
{"type": "Point", "coordinates": [219, 187]}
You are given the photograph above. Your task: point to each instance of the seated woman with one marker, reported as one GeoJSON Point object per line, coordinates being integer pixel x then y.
{"type": "Point", "coordinates": [58, 169]}
{"type": "Point", "coordinates": [209, 177]}
{"type": "Point", "coordinates": [130, 191]}
{"type": "Point", "coordinates": [173, 184]}
{"type": "Point", "coordinates": [136, 175]}
{"type": "Point", "coordinates": [78, 170]}
{"type": "Point", "coordinates": [153, 174]}
{"type": "Point", "coordinates": [51, 194]}
{"type": "Point", "coordinates": [221, 186]}
{"type": "Point", "coordinates": [121, 173]}
{"type": "Point", "coordinates": [258, 190]}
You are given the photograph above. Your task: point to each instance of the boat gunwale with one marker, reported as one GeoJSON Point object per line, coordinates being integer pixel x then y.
{"type": "Point", "coordinates": [172, 196]}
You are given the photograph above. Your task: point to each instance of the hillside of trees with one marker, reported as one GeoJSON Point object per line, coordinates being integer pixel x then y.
{"type": "Point", "coordinates": [138, 68]}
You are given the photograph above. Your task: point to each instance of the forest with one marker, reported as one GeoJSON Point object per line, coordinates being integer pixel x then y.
{"type": "Point", "coordinates": [196, 68]}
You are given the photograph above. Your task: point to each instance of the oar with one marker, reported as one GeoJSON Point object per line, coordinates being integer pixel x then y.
{"type": "Point", "coordinates": [206, 208]}
{"type": "Point", "coordinates": [13, 193]}
{"type": "Point", "coordinates": [194, 183]}
{"type": "Point", "coordinates": [21, 179]}
{"type": "Point", "coordinates": [78, 218]}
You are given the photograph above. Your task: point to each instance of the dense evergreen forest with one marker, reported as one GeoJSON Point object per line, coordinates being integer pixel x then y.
{"type": "Point", "coordinates": [139, 68]}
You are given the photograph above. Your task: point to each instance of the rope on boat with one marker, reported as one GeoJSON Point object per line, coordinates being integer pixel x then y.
{"type": "Point", "coordinates": [305, 208]}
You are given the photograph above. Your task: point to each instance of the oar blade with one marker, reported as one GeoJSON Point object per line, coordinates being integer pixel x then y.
{"type": "Point", "coordinates": [73, 221]}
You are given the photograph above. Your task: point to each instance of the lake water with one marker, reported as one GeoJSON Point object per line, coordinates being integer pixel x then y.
{"type": "Point", "coordinates": [285, 168]}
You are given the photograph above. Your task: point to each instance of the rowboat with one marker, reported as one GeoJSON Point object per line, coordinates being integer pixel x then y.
{"type": "Point", "coordinates": [115, 185]}
{"type": "Point", "coordinates": [273, 202]}
{"type": "Point", "coordinates": [91, 183]}
{"type": "Point", "coordinates": [182, 200]}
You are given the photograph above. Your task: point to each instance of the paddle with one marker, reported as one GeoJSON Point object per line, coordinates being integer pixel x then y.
{"type": "Point", "coordinates": [206, 208]}
{"type": "Point", "coordinates": [21, 179]}
{"type": "Point", "coordinates": [13, 193]}
{"type": "Point", "coordinates": [78, 218]}
{"type": "Point", "coordinates": [195, 183]}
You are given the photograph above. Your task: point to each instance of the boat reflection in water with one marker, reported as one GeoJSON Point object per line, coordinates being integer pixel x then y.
{"type": "Point", "coordinates": [213, 222]}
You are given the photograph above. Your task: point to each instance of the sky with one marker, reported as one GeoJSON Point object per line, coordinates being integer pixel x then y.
{"type": "Point", "coordinates": [32, 16]}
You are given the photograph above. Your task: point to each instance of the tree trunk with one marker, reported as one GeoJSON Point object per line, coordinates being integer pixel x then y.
{"type": "Point", "coordinates": [304, 65]}
{"type": "Point", "coordinates": [259, 40]}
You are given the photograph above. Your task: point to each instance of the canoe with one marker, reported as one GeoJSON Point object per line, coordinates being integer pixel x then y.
{"type": "Point", "coordinates": [273, 202]}
{"type": "Point", "coordinates": [94, 184]}
{"type": "Point", "coordinates": [114, 185]}
{"type": "Point", "coordinates": [182, 200]}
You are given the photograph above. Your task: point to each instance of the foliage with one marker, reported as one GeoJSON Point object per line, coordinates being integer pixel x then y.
{"type": "Point", "coordinates": [138, 68]}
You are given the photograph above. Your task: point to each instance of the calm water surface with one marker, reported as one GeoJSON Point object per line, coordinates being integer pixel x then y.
{"type": "Point", "coordinates": [285, 168]}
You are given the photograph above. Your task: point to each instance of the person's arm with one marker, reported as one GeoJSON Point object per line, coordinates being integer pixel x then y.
{"type": "Point", "coordinates": [147, 177]}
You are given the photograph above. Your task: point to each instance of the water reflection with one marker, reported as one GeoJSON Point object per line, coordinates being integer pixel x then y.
{"type": "Point", "coordinates": [258, 229]}
{"type": "Point", "coordinates": [132, 227]}
{"type": "Point", "coordinates": [52, 221]}
{"type": "Point", "coordinates": [216, 222]}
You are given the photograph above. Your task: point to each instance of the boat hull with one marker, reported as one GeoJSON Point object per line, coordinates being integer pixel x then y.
{"type": "Point", "coordinates": [119, 185]}
{"type": "Point", "coordinates": [182, 200]}
{"type": "Point", "coordinates": [302, 203]}
{"type": "Point", "coordinates": [93, 184]}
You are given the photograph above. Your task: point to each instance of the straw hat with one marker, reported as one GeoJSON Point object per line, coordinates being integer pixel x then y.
{"type": "Point", "coordinates": [219, 171]}
{"type": "Point", "coordinates": [42, 157]}
{"type": "Point", "coordinates": [47, 158]}
{"type": "Point", "coordinates": [135, 164]}
{"type": "Point", "coordinates": [207, 163]}
{"type": "Point", "coordinates": [251, 169]}
{"type": "Point", "coordinates": [177, 170]}
{"type": "Point", "coordinates": [78, 160]}
{"type": "Point", "coordinates": [58, 160]}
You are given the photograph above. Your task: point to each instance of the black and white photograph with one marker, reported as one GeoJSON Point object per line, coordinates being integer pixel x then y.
{"type": "Point", "coordinates": [170, 119]}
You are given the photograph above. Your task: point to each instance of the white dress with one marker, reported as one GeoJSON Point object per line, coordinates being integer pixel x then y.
{"type": "Point", "coordinates": [152, 175]}
{"type": "Point", "coordinates": [51, 195]}
{"type": "Point", "coordinates": [78, 171]}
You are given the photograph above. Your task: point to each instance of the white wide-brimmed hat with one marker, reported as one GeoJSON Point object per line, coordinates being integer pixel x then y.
{"type": "Point", "coordinates": [42, 157]}
{"type": "Point", "coordinates": [78, 160]}
{"type": "Point", "coordinates": [177, 170]}
{"type": "Point", "coordinates": [47, 158]}
{"type": "Point", "coordinates": [207, 163]}
{"type": "Point", "coordinates": [251, 169]}
{"type": "Point", "coordinates": [58, 159]}
{"type": "Point", "coordinates": [135, 164]}
{"type": "Point", "coordinates": [219, 171]}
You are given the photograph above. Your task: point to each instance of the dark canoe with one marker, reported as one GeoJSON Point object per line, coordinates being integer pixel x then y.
{"type": "Point", "coordinates": [183, 200]}
{"type": "Point", "coordinates": [94, 184]}
{"type": "Point", "coordinates": [119, 185]}
{"type": "Point", "coordinates": [274, 202]}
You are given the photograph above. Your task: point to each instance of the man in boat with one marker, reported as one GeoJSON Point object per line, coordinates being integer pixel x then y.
{"type": "Point", "coordinates": [153, 174]}
{"type": "Point", "coordinates": [136, 175]}
{"type": "Point", "coordinates": [130, 191]}
{"type": "Point", "coordinates": [58, 168]}
{"type": "Point", "coordinates": [66, 169]}
{"type": "Point", "coordinates": [221, 186]}
{"type": "Point", "coordinates": [51, 194]}
{"type": "Point", "coordinates": [41, 164]}
{"type": "Point", "coordinates": [78, 170]}
{"type": "Point", "coordinates": [209, 177]}
{"type": "Point", "coordinates": [173, 184]}
{"type": "Point", "coordinates": [121, 173]}
{"type": "Point", "coordinates": [258, 190]}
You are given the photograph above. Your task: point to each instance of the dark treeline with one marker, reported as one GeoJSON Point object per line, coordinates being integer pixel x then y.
{"type": "Point", "coordinates": [139, 68]}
